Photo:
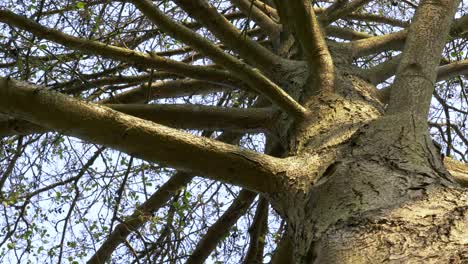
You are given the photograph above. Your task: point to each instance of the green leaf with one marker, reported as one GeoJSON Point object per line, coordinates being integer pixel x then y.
{"type": "Point", "coordinates": [80, 5]}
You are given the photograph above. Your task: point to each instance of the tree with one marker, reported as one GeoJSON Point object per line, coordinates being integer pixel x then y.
{"type": "Point", "coordinates": [346, 95]}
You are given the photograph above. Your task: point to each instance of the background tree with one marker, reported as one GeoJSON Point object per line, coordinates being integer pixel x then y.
{"type": "Point", "coordinates": [300, 131]}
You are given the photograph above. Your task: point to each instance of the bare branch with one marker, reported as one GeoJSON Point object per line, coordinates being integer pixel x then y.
{"type": "Point", "coordinates": [346, 33]}
{"type": "Point", "coordinates": [252, 76]}
{"type": "Point", "coordinates": [451, 70]}
{"type": "Point", "coordinates": [257, 232]}
{"type": "Point", "coordinates": [249, 8]}
{"type": "Point", "coordinates": [144, 212]}
{"type": "Point", "coordinates": [396, 41]}
{"type": "Point", "coordinates": [217, 231]}
{"type": "Point", "coordinates": [301, 17]}
{"type": "Point", "coordinates": [114, 52]}
{"type": "Point", "coordinates": [249, 50]}
{"type": "Point", "coordinates": [377, 19]}
{"type": "Point", "coordinates": [333, 14]}
{"type": "Point", "coordinates": [364, 47]}
{"type": "Point", "coordinates": [140, 138]}
{"type": "Point", "coordinates": [141, 215]}
{"type": "Point", "coordinates": [201, 116]}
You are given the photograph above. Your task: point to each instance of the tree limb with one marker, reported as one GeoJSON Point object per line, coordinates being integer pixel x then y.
{"type": "Point", "coordinates": [333, 14]}
{"type": "Point", "coordinates": [114, 52]}
{"type": "Point", "coordinates": [251, 76]}
{"type": "Point", "coordinates": [249, 50]}
{"type": "Point", "coordinates": [201, 117]}
{"type": "Point", "coordinates": [257, 232]}
{"type": "Point", "coordinates": [301, 18]}
{"type": "Point", "coordinates": [266, 23]}
{"type": "Point", "coordinates": [140, 138]}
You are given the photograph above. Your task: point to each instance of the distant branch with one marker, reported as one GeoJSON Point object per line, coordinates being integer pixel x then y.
{"type": "Point", "coordinates": [141, 215]}
{"type": "Point", "coordinates": [113, 52]}
{"type": "Point", "coordinates": [144, 212]}
{"type": "Point", "coordinates": [221, 227]}
{"type": "Point", "coordinates": [258, 232]}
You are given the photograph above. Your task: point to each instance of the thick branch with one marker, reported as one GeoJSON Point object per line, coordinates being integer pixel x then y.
{"type": "Point", "coordinates": [201, 117]}
{"type": "Point", "coordinates": [416, 74]}
{"type": "Point", "coordinates": [396, 41]}
{"type": "Point", "coordinates": [364, 47]}
{"type": "Point", "coordinates": [249, 50]}
{"type": "Point", "coordinates": [252, 11]}
{"type": "Point", "coordinates": [140, 138]}
{"type": "Point", "coordinates": [170, 89]}
{"type": "Point", "coordinates": [251, 76]}
{"type": "Point", "coordinates": [301, 17]}
{"type": "Point", "coordinates": [451, 70]}
{"type": "Point", "coordinates": [383, 71]}
{"type": "Point", "coordinates": [387, 69]}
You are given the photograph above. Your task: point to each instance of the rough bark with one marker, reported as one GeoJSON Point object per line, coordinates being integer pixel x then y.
{"type": "Point", "coordinates": [357, 181]}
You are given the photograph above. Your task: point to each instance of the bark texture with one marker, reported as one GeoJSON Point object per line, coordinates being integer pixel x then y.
{"type": "Point", "coordinates": [352, 170]}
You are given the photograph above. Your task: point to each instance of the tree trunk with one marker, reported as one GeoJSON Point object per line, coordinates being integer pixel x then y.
{"type": "Point", "coordinates": [378, 191]}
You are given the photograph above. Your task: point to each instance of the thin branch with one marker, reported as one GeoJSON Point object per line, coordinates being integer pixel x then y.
{"type": "Point", "coordinates": [346, 33]}
{"type": "Point", "coordinates": [166, 89]}
{"type": "Point", "coordinates": [377, 19]}
{"type": "Point", "coordinates": [218, 230]}
{"type": "Point", "coordinates": [258, 232]}
{"type": "Point", "coordinates": [141, 215]}
{"type": "Point", "coordinates": [250, 75]}
{"type": "Point", "coordinates": [113, 52]}
{"type": "Point", "coordinates": [333, 14]}
{"type": "Point", "coordinates": [11, 165]}
{"type": "Point", "coordinates": [144, 212]}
